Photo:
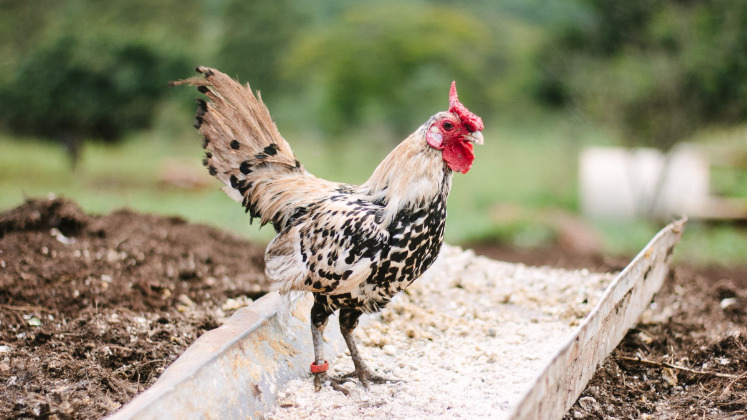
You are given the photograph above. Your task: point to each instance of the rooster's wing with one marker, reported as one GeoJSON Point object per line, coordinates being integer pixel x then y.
{"type": "Point", "coordinates": [331, 246]}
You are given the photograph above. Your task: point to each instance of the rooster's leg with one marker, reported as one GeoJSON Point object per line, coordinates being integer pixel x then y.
{"type": "Point", "coordinates": [348, 322]}
{"type": "Point", "coordinates": [319, 317]}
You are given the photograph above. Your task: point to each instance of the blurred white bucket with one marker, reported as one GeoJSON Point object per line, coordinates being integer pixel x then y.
{"type": "Point", "coordinates": [624, 184]}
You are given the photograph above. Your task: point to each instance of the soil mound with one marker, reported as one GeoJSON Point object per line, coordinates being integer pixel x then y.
{"type": "Point", "coordinates": [93, 308]}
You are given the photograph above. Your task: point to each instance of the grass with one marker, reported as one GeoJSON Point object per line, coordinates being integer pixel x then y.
{"type": "Point", "coordinates": [525, 167]}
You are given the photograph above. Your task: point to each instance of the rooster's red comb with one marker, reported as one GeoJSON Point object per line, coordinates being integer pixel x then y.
{"type": "Point", "coordinates": [470, 120]}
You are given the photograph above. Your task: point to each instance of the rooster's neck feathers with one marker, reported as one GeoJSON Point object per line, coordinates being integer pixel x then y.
{"type": "Point", "coordinates": [411, 176]}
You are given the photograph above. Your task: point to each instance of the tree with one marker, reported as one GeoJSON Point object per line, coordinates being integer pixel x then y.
{"type": "Point", "coordinates": [70, 90]}
{"type": "Point", "coordinates": [255, 38]}
{"type": "Point", "coordinates": [656, 70]}
{"type": "Point", "coordinates": [392, 61]}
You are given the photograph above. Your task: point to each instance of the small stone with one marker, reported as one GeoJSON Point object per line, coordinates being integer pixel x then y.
{"type": "Point", "coordinates": [644, 338]}
{"type": "Point", "coordinates": [232, 304]}
{"type": "Point", "coordinates": [725, 303]}
{"type": "Point", "coordinates": [185, 300]}
{"type": "Point", "coordinates": [184, 303]}
{"type": "Point", "coordinates": [590, 404]}
{"type": "Point", "coordinates": [669, 376]}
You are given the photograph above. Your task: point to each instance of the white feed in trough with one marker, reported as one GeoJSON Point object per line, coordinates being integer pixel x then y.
{"type": "Point", "coordinates": [471, 338]}
{"type": "Point", "coordinates": [467, 338]}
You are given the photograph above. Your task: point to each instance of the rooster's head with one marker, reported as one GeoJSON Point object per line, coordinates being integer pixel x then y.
{"type": "Point", "coordinates": [453, 132]}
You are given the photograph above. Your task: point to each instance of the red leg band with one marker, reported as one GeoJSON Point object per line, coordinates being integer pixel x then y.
{"type": "Point", "coordinates": [319, 368]}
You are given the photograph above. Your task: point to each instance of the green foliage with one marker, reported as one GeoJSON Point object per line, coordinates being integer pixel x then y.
{"type": "Point", "coordinates": [656, 70]}
{"type": "Point", "coordinates": [394, 61]}
{"type": "Point", "coordinates": [81, 69]}
{"type": "Point", "coordinates": [256, 37]}
{"type": "Point", "coordinates": [526, 229]}
{"type": "Point", "coordinates": [21, 27]}
{"type": "Point", "coordinates": [331, 65]}
{"type": "Point", "coordinates": [74, 88]}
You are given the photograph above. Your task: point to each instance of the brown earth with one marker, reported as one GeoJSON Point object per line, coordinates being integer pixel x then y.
{"type": "Point", "coordinates": [687, 357]}
{"type": "Point", "coordinates": [92, 309]}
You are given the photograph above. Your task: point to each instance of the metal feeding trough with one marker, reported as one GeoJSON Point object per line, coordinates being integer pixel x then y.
{"type": "Point", "coordinates": [240, 369]}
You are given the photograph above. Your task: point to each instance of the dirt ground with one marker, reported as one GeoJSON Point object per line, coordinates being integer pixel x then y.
{"type": "Point", "coordinates": [93, 309]}
{"type": "Point", "coordinates": [687, 357]}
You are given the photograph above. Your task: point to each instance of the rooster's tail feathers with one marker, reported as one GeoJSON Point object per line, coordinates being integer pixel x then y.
{"type": "Point", "coordinates": [243, 147]}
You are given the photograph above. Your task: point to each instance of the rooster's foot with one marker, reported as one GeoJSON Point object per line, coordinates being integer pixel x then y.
{"type": "Point", "coordinates": [336, 383]}
{"type": "Point", "coordinates": [367, 377]}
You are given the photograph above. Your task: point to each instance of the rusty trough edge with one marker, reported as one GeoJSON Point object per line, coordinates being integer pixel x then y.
{"type": "Point", "coordinates": [565, 377]}
{"type": "Point", "coordinates": [235, 370]}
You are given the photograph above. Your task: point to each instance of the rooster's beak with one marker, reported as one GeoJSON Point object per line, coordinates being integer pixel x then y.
{"type": "Point", "coordinates": [475, 137]}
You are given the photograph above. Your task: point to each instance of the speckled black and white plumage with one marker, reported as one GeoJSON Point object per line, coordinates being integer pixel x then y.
{"type": "Point", "coordinates": [353, 246]}
{"type": "Point", "coordinates": [362, 262]}
{"type": "Point", "coordinates": [347, 251]}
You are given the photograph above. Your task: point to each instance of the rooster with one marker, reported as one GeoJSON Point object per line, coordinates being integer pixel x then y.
{"type": "Point", "coordinates": [352, 246]}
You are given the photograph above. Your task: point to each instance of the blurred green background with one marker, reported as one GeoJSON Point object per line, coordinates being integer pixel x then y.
{"type": "Point", "coordinates": [86, 113]}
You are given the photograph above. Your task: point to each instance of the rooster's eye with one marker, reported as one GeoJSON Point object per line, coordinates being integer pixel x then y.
{"type": "Point", "coordinates": [447, 125]}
